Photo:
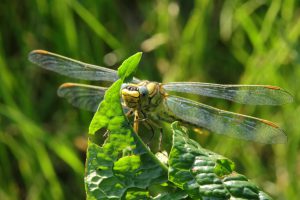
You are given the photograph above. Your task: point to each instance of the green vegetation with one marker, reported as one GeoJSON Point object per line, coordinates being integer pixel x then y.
{"type": "Point", "coordinates": [123, 166]}
{"type": "Point", "coordinates": [43, 139]}
{"type": "Point", "coordinates": [123, 162]}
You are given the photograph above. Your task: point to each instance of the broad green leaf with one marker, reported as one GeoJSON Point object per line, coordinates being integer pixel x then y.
{"type": "Point", "coordinates": [129, 66]}
{"type": "Point", "coordinates": [123, 164]}
{"type": "Point", "coordinates": [223, 167]}
{"type": "Point", "coordinates": [134, 194]}
{"type": "Point", "coordinates": [204, 174]}
{"type": "Point", "coordinates": [105, 112]}
{"type": "Point", "coordinates": [124, 168]}
{"type": "Point", "coordinates": [109, 109]}
{"type": "Point", "coordinates": [177, 195]}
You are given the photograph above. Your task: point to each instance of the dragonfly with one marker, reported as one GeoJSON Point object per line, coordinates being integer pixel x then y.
{"type": "Point", "coordinates": [152, 100]}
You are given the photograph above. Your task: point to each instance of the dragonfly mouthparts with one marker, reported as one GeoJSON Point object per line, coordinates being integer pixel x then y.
{"type": "Point", "coordinates": [129, 87]}
{"type": "Point", "coordinates": [132, 88]}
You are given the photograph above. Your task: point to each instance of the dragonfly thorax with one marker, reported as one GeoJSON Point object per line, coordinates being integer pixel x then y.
{"type": "Point", "coordinates": [144, 96]}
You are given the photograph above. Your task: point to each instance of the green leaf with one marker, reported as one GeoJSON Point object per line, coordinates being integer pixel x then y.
{"type": "Point", "coordinates": [123, 163]}
{"type": "Point", "coordinates": [129, 66]}
{"type": "Point", "coordinates": [110, 105]}
{"type": "Point", "coordinates": [177, 195]}
{"type": "Point", "coordinates": [109, 111]}
{"type": "Point", "coordinates": [134, 194]}
{"type": "Point", "coordinates": [205, 174]}
{"type": "Point", "coordinates": [124, 168]}
{"type": "Point", "coordinates": [223, 167]}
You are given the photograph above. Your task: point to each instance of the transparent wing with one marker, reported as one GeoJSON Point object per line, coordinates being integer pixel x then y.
{"type": "Point", "coordinates": [83, 96]}
{"type": "Point", "coordinates": [222, 122]}
{"type": "Point", "coordinates": [245, 94]}
{"type": "Point", "coordinates": [72, 68]}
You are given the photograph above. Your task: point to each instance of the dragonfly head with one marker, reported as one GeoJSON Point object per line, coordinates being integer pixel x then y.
{"type": "Point", "coordinates": [144, 95]}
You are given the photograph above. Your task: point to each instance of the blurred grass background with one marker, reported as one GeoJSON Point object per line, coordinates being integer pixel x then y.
{"type": "Point", "coordinates": [232, 41]}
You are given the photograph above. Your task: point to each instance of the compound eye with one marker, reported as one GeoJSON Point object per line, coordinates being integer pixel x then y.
{"type": "Point", "coordinates": [143, 91]}
{"type": "Point", "coordinates": [124, 85]}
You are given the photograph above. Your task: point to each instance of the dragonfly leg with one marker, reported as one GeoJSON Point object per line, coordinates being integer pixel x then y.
{"type": "Point", "coordinates": [136, 121]}
{"type": "Point", "coordinates": [160, 134]}
{"type": "Point", "coordinates": [129, 113]}
{"type": "Point", "coordinates": [152, 124]}
{"type": "Point", "coordinates": [148, 125]}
